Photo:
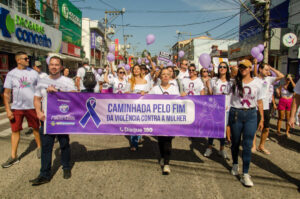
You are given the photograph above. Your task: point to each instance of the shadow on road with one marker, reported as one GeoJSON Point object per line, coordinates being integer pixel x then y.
{"type": "Point", "coordinates": [31, 147]}
{"type": "Point", "coordinates": [148, 150]}
{"type": "Point", "coordinates": [273, 168]}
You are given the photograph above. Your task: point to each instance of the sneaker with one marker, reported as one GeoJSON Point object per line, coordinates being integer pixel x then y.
{"type": "Point", "coordinates": [166, 170]}
{"type": "Point", "coordinates": [39, 153]}
{"type": "Point", "coordinates": [208, 152]}
{"type": "Point", "coordinates": [223, 154]}
{"type": "Point", "coordinates": [39, 180]}
{"type": "Point", "coordinates": [67, 173]}
{"type": "Point", "coordinates": [11, 161]}
{"type": "Point", "coordinates": [235, 169]}
{"type": "Point", "coordinates": [162, 162]}
{"type": "Point", "coordinates": [246, 180]}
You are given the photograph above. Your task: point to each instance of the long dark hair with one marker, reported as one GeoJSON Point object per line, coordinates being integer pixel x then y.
{"type": "Point", "coordinates": [239, 82]}
{"type": "Point", "coordinates": [227, 72]}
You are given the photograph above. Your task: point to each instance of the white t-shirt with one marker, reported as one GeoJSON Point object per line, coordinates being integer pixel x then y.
{"type": "Point", "coordinates": [183, 75]}
{"type": "Point", "coordinates": [266, 84]}
{"type": "Point", "coordinates": [252, 93]}
{"type": "Point", "coordinates": [221, 88]}
{"type": "Point", "coordinates": [118, 86]}
{"type": "Point", "coordinates": [159, 90]}
{"type": "Point", "coordinates": [297, 88]}
{"type": "Point", "coordinates": [192, 87]}
{"type": "Point", "coordinates": [63, 83]}
{"type": "Point", "coordinates": [42, 75]}
{"type": "Point", "coordinates": [270, 93]}
{"type": "Point", "coordinates": [174, 83]}
{"type": "Point", "coordinates": [81, 73]}
{"type": "Point", "coordinates": [22, 83]}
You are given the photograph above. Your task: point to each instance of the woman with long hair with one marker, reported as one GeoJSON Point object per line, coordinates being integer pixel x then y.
{"type": "Point", "coordinates": [205, 78]}
{"type": "Point", "coordinates": [66, 72]}
{"type": "Point", "coordinates": [286, 93]}
{"type": "Point", "coordinates": [137, 84]}
{"type": "Point", "coordinates": [246, 96]}
{"type": "Point", "coordinates": [165, 142]}
{"type": "Point", "coordinates": [220, 85]}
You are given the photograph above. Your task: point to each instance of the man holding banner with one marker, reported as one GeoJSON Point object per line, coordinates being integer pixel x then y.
{"type": "Point", "coordinates": [55, 82]}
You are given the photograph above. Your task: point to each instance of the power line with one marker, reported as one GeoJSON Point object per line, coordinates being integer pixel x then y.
{"type": "Point", "coordinates": [178, 25]}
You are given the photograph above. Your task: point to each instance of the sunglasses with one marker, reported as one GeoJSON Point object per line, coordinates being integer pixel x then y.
{"type": "Point", "coordinates": [204, 71]}
{"type": "Point", "coordinates": [121, 72]}
{"type": "Point", "coordinates": [222, 66]}
{"type": "Point", "coordinates": [192, 70]}
{"type": "Point", "coordinates": [26, 58]}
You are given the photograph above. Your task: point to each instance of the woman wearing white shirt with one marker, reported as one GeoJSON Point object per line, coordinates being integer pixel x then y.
{"type": "Point", "coordinates": [220, 85]}
{"type": "Point", "coordinates": [165, 142]}
{"type": "Point", "coordinates": [192, 85]}
{"type": "Point", "coordinates": [118, 83]}
{"type": "Point", "coordinates": [246, 96]}
{"type": "Point", "coordinates": [136, 84]}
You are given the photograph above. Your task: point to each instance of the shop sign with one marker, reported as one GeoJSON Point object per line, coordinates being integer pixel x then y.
{"type": "Point", "coordinates": [19, 28]}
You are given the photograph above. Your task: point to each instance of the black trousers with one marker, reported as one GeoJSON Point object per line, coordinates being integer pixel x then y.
{"type": "Point", "coordinates": [165, 147]}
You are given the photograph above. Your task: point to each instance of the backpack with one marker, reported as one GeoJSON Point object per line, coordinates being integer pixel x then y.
{"type": "Point", "coordinates": [89, 79]}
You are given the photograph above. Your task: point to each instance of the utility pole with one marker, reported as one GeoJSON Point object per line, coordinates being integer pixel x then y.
{"type": "Point", "coordinates": [114, 13]}
{"type": "Point", "coordinates": [267, 31]}
{"type": "Point", "coordinates": [125, 40]}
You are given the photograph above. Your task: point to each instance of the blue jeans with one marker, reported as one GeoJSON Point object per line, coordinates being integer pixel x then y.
{"type": "Point", "coordinates": [47, 147]}
{"type": "Point", "coordinates": [134, 140]}
{"type": "Point", "coordinates": [242, 123]}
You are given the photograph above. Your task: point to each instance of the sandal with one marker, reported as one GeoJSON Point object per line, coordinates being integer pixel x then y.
{"type": "Point", "coordinates": [264, 151]}
{"type": "Point", "coordinates": [278, 133]}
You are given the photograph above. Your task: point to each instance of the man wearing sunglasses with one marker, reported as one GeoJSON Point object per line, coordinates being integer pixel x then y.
{"type": "Point", "coordinates": [183, 72]}
{"type": "Point", "coordinates": [21, 81]}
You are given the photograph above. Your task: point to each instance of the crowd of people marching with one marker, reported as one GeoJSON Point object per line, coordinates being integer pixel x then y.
{"type": "Point", "coordinates": [250, 103]}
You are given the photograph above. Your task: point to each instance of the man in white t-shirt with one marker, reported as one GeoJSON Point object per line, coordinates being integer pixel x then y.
{"type": "Point", "coordinates": [38, 68]}
{"type": "Point", "coordinates": [21, 81]}
{"type": "Point", "coordinates": [55, 82]}
{"type": "Point", "coordinates": [183, 71]}
{"type": "Point", "coordinates": [267, 81]}
{"type": "Point", "coordinates": [295, 105]}
{"type": "Point", "coordinates": [81, 73]}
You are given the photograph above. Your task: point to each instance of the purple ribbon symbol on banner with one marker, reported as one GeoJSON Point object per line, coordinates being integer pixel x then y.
{"type": "Point", "coordinates": [91, 113]}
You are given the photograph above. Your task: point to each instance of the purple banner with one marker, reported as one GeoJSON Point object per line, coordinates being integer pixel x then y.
{"type": "Point", "coordinates": [133, 114]}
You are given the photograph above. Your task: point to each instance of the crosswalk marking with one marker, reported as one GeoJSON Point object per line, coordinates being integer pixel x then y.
{"type": "Point", "coordinates": [7, 131]}
{"type": "Point", "coordinates": [3, 113]}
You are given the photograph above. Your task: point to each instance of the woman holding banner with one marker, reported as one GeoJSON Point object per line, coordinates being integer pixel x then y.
{"type": "Point", "coordinates": [246, 96]}
{"type": "Point", "coordinates": [165, 142]}
{"type": "Point", "coordinates": [137, 84]}
{"type": "Point", "coordinates": [220, 85]}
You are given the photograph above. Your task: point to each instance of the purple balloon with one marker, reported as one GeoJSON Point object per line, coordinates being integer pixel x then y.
{"type": "Point", "coordinates": [110, 57]}
{"type": "Point", "coordinates": [150, 39]}
{"type": "Point", "coordinates": [139, 61]}
{"type": "Point", "coordinates": [112, 48]}
{"type": "Point", "coordinates": [261, 47]}
{"type": "Point", "coordinates": [119, 66]}
{"type": "Point", "coordinates": [260, 57]}
{"type": "Point", "coordinates": [255, 51]}
{"type": "Point", "coordinates": [205, 60]}
{"type": "Point", "coordinates": [99, 71]}
{"type": "Point", "coordinates": [48, 60]}
{"type": "Point", "coordinates": [147, 61]}
{"type": "Point", "coordinates": [181, 54]}
{"type": "Point", "coordinates": [127, 67]}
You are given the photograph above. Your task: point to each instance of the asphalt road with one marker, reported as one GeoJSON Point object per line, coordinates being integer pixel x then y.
{"type": "Point", "coordinates": [103, 167]}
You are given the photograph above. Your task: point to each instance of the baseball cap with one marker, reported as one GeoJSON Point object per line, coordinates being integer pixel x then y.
{"type": "Point", "coordinates": [246, 63]}
{"type": "Point", "coordinates": [37, 63]}
{"type": "Point", "coordinates": [85, 61]}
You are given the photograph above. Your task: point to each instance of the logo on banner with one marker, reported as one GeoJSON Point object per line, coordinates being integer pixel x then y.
{"type": "Point", "coordinates": [90, 113]}
{"type": "Point", "coordinates": [64, 108]}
